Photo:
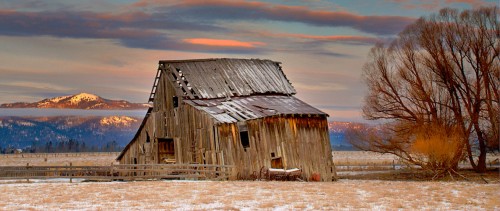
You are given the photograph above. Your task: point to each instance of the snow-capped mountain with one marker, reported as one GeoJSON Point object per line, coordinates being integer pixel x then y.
{"type": "Point", "coordinates": [78, 101]}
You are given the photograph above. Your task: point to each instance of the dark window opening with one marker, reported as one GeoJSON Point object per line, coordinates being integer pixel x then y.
{"type": "Point", "coordinates": [147, 138]}
{"type": "Point", "coordinates": [272, 154]}
{"type": "Point", "coordinates": [166, 150]}
{"type": "Point", "coordinates": [245, 141]}
{"type": "Point", "coordinates": [175, 101]}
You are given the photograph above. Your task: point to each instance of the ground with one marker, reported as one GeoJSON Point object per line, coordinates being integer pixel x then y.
{"type": "Point", "coordinates": [250, 195]}
{"type": "Point", "coordinates": [379, 189]}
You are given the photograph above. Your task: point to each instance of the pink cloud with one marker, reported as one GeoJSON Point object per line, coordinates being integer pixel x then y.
{"type": "Point", "coordinates": [222, 43]}
{"type": "Point", "coordinates": [252, 11]}
{"type": "Point", "coordinates": [333, 38]}
{"type": "Point", "coordinates": [325, 38]}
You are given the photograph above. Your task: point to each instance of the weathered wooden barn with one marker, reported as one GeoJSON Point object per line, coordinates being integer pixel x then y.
{"type": "Point", "coordinates": [239, 112]}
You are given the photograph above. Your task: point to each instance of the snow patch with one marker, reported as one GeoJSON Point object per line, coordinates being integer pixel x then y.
{"type": "Point", "coordinates": [24, 123]}
{"type": "Point", "coordinates": [83, 96]}
{"type": "Point", "coordinates": [118, 120]}
{"type": "Point", "coordinates": [57, 99]}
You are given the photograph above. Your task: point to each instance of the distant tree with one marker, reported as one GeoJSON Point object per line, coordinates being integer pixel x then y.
{"type": "Point", "coordinates": [49, 147]}
{"type": "Point", "coordinates": [77, 146]}
{"type": "Point", "coordinates": [83, 148]}
{"type": "Point", "coordinates": [439, 83]}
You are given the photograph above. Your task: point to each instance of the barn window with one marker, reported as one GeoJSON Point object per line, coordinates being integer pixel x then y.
{"type": "Point", "coordinates": [175, 101]}
{"type": "Point", "coordinates": [244, 138]}
{"type": "Point", "coordinates": [147, 138]}
{"type": "Point", "coordinates": [245, 141]}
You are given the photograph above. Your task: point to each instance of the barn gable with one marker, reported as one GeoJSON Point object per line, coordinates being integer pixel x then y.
{"type": "Point", "coordinates": [223, 78]}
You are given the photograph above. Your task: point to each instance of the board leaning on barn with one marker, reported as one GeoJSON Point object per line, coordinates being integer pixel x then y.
{"type": "Point", "coordinates": [239, 112]}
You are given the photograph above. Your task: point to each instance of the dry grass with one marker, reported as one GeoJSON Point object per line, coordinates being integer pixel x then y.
{"type": "Point", "coordinates": [59, 159]}
{"type": "Point", "coordinates": [250, 195]}
{"type": "Point", "coordinates": [362, 158]}
{"type": "Point", "coordinates": [356, 158]}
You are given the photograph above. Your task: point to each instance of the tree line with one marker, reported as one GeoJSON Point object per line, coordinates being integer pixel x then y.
{"type": "Point", "coordinates": [436, 88]}
{"type": "Point", "coordinates": [63, 146]}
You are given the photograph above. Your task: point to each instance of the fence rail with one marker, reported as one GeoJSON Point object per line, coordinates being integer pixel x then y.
{"type": "Point", "coordinates": [119, 172]}
{"type": "Point", "coordinates": [62, 154]}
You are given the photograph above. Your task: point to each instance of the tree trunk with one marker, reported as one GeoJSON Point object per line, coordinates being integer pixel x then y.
{"type": "Point", "coordinates": [481, 162]}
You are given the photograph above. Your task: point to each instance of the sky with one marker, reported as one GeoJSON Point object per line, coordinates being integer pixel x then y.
{"type": "Point", "coordinates": [112, 47]}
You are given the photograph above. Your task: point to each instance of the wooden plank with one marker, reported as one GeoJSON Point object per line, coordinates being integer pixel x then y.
{"type": "Point", "coordinates": [183, 85]}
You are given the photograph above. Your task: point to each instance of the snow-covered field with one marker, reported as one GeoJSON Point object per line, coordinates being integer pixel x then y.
{"type": "Point", "coordinates": [249, 195]}
{"type": "Point", "coordinates": [366, 193]}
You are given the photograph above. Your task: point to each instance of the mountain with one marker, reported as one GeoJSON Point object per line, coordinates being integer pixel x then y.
{"type": "Point", "coordinates": [21, 132]}
{"type": "Point", "coordinates": [337, 134]}
{"type": "Point", "coordinates": [79, 101]}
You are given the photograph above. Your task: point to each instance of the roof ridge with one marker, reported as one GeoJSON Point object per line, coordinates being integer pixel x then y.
{"type": "Point", "coordinates": [213, 59]}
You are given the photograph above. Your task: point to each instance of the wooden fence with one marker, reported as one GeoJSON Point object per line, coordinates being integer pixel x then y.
{"type": "Point", "coordinates": [119, 172]}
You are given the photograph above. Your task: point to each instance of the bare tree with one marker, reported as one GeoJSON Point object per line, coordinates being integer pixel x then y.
{"type": "Point", "coordinates": [442, 71]}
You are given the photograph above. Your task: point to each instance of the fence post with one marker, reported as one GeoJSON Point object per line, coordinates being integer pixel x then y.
{"type": "Point", "coordinates": [111, 171]}
{"type": "Point", "coordinates": [71, 172]}
{"type": "Point", "coordinates": [27, 167]}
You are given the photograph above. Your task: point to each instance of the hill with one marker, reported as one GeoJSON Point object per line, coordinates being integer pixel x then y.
{"type": "Point", "coordinates": [78, 101]}
{"type": "Point", "coordinates": [23, 132]}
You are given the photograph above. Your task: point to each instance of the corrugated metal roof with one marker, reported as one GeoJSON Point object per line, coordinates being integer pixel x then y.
{"type": "Point", "coordinates": [253, 107]}
{"type": "Point", "coordinates": [222, 78]}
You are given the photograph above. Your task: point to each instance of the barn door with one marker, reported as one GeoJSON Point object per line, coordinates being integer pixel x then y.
{"type": "Point", "coordinates": [166, 150]}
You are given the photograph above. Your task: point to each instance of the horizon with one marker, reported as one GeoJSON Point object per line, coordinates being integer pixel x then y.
{"type": "Point", "coordinates": [111, 48]}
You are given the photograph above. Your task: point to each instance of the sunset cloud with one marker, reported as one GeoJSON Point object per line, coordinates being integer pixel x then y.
{"type": "Point", "coordinates": [223, 43]}
{"type": "Point", "coordinates": [253, 11]}
{"type": "Point", "coordinates": [347, 39]}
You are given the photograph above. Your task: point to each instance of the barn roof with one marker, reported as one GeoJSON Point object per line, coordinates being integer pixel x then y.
{"type": "Point", "coordinates": [253, 107]}
{"type": "Point", "coordinates": [223, 77]}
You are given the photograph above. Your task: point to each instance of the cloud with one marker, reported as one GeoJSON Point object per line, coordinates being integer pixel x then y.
{"type": "Point", "coordinates": [222, 43]}
{"type": "Point", "coordinates": [326, 86]}
{"type": "Point", "coordinates": [345, 39]}
{"type": "Point", "coordinates": [163, 26]}
{"type": "Point", "coordinates": [472, 3]}
{"type": "Point", "coordinates": [432, 5]}
{"type": "Point", "coordinates": [34, 85]}
{"type": "Point", "coordinates": [251, 11]}
{"type": "Point", "coordinates": [133, 29]}
{"type": "Point", "coordinates": [67, 24]}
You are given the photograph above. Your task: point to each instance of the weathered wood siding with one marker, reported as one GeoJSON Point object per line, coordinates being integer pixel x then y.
{"type": "Point", "coordinates": [139, 150]}
{"type": "Point", "coordinates": [300, 142]}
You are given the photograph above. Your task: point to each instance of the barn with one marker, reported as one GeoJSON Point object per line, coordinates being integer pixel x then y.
{"type": "Point", "coordinates": [239, 112]}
